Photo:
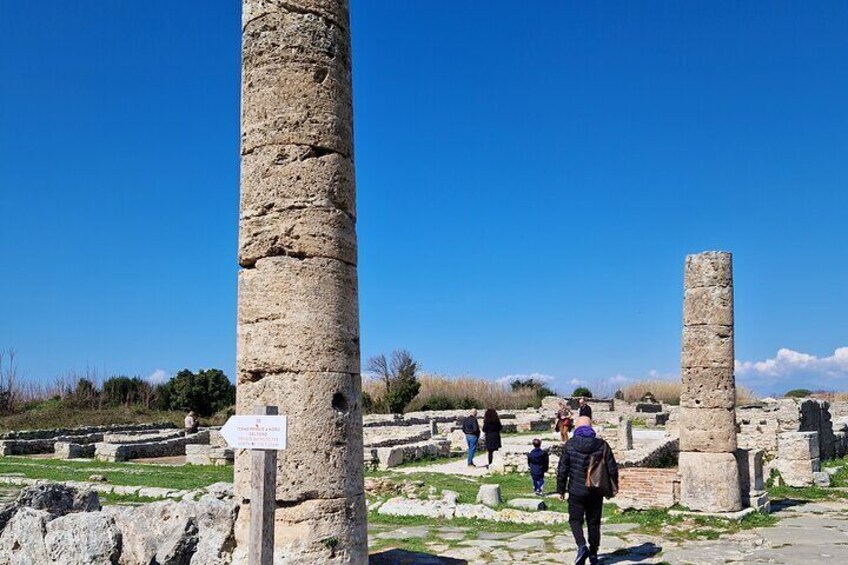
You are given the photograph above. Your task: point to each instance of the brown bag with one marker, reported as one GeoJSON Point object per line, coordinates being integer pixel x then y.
{"type": "Point", "coordinates": [598, 479]}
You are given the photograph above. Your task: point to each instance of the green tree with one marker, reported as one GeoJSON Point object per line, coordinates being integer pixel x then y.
{"type": "Point", "coordinates": [205, 392]}
{"type": "Point", "coordinates": [400, 374]}
{"type": "Point", "coordinates": [582, 391]}
{"type": "Point", "coordinates": [798, 393]}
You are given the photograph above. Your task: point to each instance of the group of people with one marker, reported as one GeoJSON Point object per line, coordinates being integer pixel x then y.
{"type": "Point", "coordinates": [583, 454]}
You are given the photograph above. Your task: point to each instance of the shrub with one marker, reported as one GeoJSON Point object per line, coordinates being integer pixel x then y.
{"type": "Point", "coordinates": [205, 392]}
{"type": "Point", "coordinates": [582, 391]}
{"type": "Point", "coordinates": [123, 391]}
{"type": "Point", "coordinates": [798, 393]}
{"type": "Point", "coordinates": [439, 402]}
{"type": "Point", "coordinates": [367, 403]}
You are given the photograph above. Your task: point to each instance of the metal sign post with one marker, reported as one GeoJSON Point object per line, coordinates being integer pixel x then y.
{"type": "Point", "coordinates": [263, 434]}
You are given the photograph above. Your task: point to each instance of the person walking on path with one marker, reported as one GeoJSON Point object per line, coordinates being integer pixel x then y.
{"type": "Point", "coordinates": [492, 428]}
{"type": "Point", "coordinates": [191, 423]}
{"type": "Point", "coordinates": [538, 461]}
{"type": "Point", "coordinates": [471, 429]}
{"type": "Point", "coordinates": [564, 421]}
{"type": "Point", "coordinates": [583, 504]}
{"type": "Point", "coordinates": [585, 409]}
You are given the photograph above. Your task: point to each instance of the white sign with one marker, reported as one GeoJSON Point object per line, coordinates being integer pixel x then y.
{"type": "Point", "coordinates": [255, 432]}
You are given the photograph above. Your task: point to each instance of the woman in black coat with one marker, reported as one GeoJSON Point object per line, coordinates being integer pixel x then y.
{"type": "Point", "coordinates": [492, 428]}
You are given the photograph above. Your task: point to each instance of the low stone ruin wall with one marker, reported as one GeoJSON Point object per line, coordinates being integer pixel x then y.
{"type": "Point", "coordinates": [32, 442]}
{"type": "Point", "coordinates": [389, 436]}
{"type": "Point", "coordinates": [82, 430]}
{"type": "Point", "coordinates": [164, 448]}
{"type": "Point", "coordinates": [199, 454]}
{"type": "Point", "coordinates": [388, 457]}
{"type": "Point", "coordinates": [760, 424]}
{"type": "Point", "coordinates": [144, 437]}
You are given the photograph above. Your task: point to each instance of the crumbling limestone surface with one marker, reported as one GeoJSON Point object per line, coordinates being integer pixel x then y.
{"type": "Point", "coordinates": [709, 482]}
{"type": "Point", "coordinates": [708, 469]}
{"type": "Point", "coordinates": [298, 311]}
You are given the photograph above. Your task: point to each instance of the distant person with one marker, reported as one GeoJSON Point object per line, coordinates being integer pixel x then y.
{"type": "Point", "coordinates": [583, 504]}
{"type": "Point", "coordinates": [564, 421]}
{"type": "Point", "coordinates": [471, 429]}
{"type": "Point", "coordinates": [191, 423]}
{"type": "Point", "coordinates": [585, 409]}
{"type": "Point", "coordinates": [492, 428]}
{"type": "Point", "coordinates": [538, 461]}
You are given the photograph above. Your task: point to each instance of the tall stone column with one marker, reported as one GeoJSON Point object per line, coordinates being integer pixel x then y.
{"type": "Point", "coordinates": [709, 473]}
{"type": "Point", "coordinates": [298, 313]}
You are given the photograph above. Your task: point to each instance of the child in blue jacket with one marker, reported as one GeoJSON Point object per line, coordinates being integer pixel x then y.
{"type": "Point", "coordinates": [538, 461]}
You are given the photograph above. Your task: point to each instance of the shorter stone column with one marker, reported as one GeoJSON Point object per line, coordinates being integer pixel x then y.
{"type": "Point", "coordinates": [625, 434]}
{"type": "Point", "coordinates": [754, 495]}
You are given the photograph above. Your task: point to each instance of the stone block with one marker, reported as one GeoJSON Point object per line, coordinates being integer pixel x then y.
{"type": "Point", "coordinates": [708, 306]}
{"type": "Point", "coordinates": [299, 232]}
{"type": "Point", "coordinates": [821, 479]}
{"type": "Point", "coordinates": [489, 495]}
{"type": "Point", "coordinates": [294, 103]}
{"type": "Point", "coordinates": [707, 346]}
{"type": "Point", "coordinates": [302, 531]}
{"type": "Point", "coordinates": [325, 448]}
{"type": "Point", "coordinates": [709, 482]}
{"type": "Point", "coordinates": [708, 387]}
{"type": "Point", "coordinates": [711, 430]}
{"type": "Point", "coordinates": [797, 472]}
{"type": "Point", "coordinates": [530, 504]}
{"type": "Point", "coordinates": [798, 445]}
{"type": "Point", "coordinates": [296, 176]}
{"type": "Point", "coordinates": [712, 268]}
{"type": "Point", "coordinates": [298, 315]}
{"type": "Point", "coordinates": [302, 31]}
{"type": "Point", "coordinates": [390, 457]}
{"type": "Point", "coordinates": [68, 450]}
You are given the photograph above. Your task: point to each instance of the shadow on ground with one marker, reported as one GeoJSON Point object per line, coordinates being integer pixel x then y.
{"type": "Point", "coordinates": [401, 557]}
{"type": "Point", "coordinates": [633, 554]}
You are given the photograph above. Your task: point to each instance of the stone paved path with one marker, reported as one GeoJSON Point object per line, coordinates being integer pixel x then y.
{"type": "Point", "coordinates": [815, 532]}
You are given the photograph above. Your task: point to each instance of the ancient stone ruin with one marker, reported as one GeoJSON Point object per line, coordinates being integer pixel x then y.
{"type": "Point", "coordinates": [298, 313]}
{"type": "Point", "coordinates": [708, 467]}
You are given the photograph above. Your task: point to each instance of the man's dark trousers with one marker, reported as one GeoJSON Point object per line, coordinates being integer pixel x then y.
{"type": "Point", "coordinates": [588, 507]}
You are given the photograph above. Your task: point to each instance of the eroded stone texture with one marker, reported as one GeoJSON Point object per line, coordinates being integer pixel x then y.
{"type": "Point", "coordinates": [324, 416]}
{"type": "Point", "coordinates": [707, 387]}
{"type": "Point", "coordinates": [298, 318]}
{"type": "Point", "coordinates": [298, 315]}
{"type": "Point", "coordinates": [314, 531]}
{"type": "Point", "coordinates": [708, 305]}
{"type": "Point", "coordinates": [296, 84]}
{"type": "Point", "coordinates": [710, 482]}
{"type": "Point", "coordinates": [707, 346]}
{"type": "Point", "coordinates": [711, 430]}
{"type": "Point", "coordinates": [711, 268]}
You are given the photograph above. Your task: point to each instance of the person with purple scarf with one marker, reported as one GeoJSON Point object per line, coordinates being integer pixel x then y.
{"type": "Point", "coordinates": [583, 505]}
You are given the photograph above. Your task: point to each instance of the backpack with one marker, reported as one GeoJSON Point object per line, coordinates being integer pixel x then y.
{"type": "Point", "coordinates": [598, 480]}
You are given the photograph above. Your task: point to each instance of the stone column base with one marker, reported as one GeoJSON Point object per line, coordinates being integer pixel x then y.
{"type": "Point", "coordinates": [709, 482]}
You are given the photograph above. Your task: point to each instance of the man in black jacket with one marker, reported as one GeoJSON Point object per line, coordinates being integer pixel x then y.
{"type": "Point", "coordinates": [471, 429]}
{"type": "Point", "coordinates": [571, 477]}
{"type": "Point", "coordinates": [585, 409]}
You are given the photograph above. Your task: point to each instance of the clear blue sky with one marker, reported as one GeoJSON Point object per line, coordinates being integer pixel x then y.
{"type": "Point", "coordinates": [530, 179]}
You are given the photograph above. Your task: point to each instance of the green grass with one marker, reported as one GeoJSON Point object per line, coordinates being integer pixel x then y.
{"type": "Point", "coordinates": [55, 413]}
{"type": "Point", "coordinates": [178, 477]}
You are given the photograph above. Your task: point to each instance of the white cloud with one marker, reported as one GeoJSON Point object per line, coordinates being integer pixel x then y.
{"type": "Point", "coordinates": [538, 377]}
{"type": "Point", "coordinates": [794, 364]}
{"type": "Point", "coordinates": [576, 382]}
{"type": "Point", "coordinates": [619, 378]}
{"type": "Point", "coordinates": [158, 376]}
